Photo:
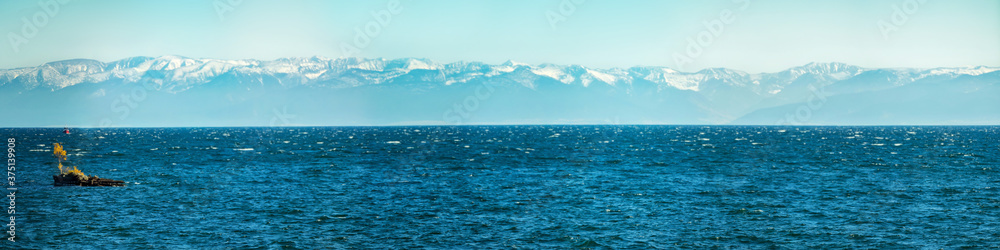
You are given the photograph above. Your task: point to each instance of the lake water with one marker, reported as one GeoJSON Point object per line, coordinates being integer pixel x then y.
{"type": "Point", "coordinates": [513, 187]}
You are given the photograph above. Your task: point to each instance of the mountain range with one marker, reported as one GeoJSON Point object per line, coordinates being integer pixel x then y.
{"type": "Point", "coordinates": [180, 91]}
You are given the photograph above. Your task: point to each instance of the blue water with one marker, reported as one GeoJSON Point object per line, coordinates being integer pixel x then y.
{"type": "Point", "coordinates": [514, 187]}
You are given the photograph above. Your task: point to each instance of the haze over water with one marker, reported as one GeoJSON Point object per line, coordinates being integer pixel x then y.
{"type": "Point", "coordinates": [515, 186]}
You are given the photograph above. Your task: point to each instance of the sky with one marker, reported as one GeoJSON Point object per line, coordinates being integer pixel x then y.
{"type": "Point", "coordinates": [754, 36]}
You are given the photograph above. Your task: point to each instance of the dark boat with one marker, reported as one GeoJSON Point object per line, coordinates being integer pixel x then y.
{"type": "Point", "coordinates": [74, 177]}
{"type": "Point", "coordinates": [66, 131]}
{"type": "Point", "coordinates": [86, 181]}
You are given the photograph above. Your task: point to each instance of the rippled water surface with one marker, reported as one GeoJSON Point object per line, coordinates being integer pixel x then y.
{"type": "Point", "coordinates": [514, 187]}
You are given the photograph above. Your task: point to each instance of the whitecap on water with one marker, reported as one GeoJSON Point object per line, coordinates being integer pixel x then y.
{"type": "Point", "coordinates": [243, 149]}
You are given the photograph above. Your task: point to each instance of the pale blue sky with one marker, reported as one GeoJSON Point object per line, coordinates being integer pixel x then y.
{"type": "Point", "coordinates": [765, 37]}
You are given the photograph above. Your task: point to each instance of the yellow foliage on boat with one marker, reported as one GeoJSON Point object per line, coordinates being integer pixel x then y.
{"type": "Point", "coordinates": [76, 172]}
{"type": "Point", "coordinates": [59, 153]}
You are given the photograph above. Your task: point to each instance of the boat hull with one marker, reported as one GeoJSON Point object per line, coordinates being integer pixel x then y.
{"type": "Point", "coordinates": [90, 182]}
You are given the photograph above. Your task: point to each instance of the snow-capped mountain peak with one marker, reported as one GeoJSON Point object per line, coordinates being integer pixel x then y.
{"type": "Point", "coordinates": [513, 63]}
{"type": "Point", "coordinates": [179, 73]}
{"type": "Point", "coordinates": [833, 70]}
{"type": "Point", "coordinates": [969, 70]}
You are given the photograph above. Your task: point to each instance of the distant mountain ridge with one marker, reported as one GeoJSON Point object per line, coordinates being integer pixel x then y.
{"type": "Point", "coordinates": [653, 95]}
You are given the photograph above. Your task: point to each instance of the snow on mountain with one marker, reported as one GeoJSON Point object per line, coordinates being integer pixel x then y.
{"type": "Point", "coordinates": [53, 75]}
{"type": "Point", "coordinates": [595, 75]}
{"type": "Point", "coordinates": [554, 72]}
{"type": "Point", "coordinates": [512, 63]}
{"type": "Point", "coordinates": [836, 71]}
{"type": "Point", "coordinates": [685, 81]}
{"type": "Point", "coordinates": [731, 77]}
{"type": "Point", "coordinates": [411, 89]}
{"type": "Point", "coordinates": [669, 77]}
{"type": "Point", "coordinates": [409, 64]}
{"type": "Point", "coordinates": [972, 71]}
{"type": "Point", "coordinates": [179, 73]}
{"type": "Point", "coordinates": [823, 72]}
